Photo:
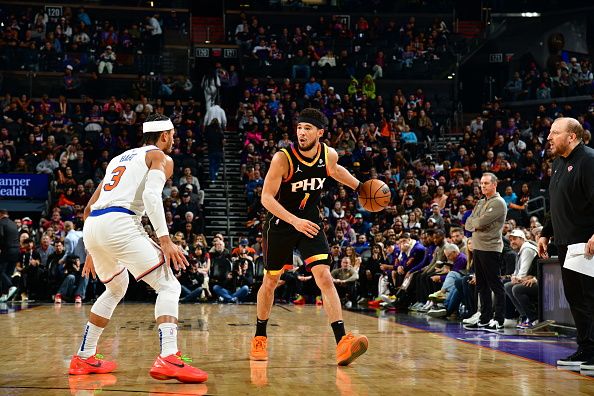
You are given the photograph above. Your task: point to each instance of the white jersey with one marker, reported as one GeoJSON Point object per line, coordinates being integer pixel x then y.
{"type": "Point", "coordinates": [124, 181]}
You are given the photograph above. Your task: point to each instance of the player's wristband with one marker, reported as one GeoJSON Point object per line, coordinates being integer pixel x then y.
{"type": "Point", "coordinates": [358, 187]}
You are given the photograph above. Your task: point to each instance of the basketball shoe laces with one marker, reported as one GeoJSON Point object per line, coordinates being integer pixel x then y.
{"type": "Point", "coordinates": [259, 345]}
{"type": "Point", "coordinates": [184, 358]}
{"type": "Point", "coordinates": [348, 336]}
{"type": "Point", "coordinates": [97, 356]}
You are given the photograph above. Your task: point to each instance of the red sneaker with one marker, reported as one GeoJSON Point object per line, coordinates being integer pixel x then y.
{"type": "Point", "coordinates": [176, 367]}
{"type": "Point", "coordinates": [374, 303]}
{"type": "Point", "coordinates": [77, 300]}
{"type": "Point", "coordinates": [58, 298]}
{"type": "Point", "coordinates": [91, 365]}
{"type": "Point", "coordinates": [319, 300]}
{"type": "Point", "coordinates": [299, 301]}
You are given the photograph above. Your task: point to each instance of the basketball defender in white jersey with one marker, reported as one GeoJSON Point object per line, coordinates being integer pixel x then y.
{"type": "Point", "coordinates": [117, 244]}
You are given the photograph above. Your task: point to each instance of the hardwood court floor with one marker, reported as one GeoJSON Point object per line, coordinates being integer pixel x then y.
{"type": "Point", "coordinates": [37, 344]}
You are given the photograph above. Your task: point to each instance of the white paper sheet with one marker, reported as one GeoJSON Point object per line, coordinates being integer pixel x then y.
{"type": "Point", "coordinates": [577, 261]}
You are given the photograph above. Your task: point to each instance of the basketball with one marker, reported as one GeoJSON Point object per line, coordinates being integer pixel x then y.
{"type": "Point", "coordinates": [374, 195]}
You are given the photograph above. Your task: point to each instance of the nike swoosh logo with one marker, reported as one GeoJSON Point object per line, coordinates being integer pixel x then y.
{"type": "Point", "coordinates": [98, 364]}
{"type": "Point", "coordinates": [176, 364]}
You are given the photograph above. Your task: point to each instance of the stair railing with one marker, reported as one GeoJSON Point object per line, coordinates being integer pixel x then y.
{"type": "Point", "coordinates": [226, 186]}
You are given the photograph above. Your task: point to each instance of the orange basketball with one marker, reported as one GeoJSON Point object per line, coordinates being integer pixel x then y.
{"type": "Point", "coordinates": [374, 195]}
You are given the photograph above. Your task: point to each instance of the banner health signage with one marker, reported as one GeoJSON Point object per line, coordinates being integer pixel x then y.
{"type": "Point", "coordinates": [23, 186]}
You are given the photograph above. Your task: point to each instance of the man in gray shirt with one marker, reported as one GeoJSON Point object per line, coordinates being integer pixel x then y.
{"type": "Point", "coordinates": [486, 225]}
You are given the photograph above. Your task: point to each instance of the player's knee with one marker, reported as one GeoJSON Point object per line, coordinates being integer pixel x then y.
{"type": "Point", "coordinates": [174, 288]}
{"type": "Point", "coordinates": [270, 283]}
{"type": "Point", "coordinates": [114, 292]}
{"type": "Point", "coordinates": [167, 285]}
{"type": "Point", "coordinates": [118, 286]}
{"type": "Point", "coordinates": [168, 291]}
{"type": "Point", "coordinates": [324, 280]}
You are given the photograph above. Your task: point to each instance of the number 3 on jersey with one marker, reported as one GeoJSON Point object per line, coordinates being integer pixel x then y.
{"type": "Point", "coordinates": [115, 179]}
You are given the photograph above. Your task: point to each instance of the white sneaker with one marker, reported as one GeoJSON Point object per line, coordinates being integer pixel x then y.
{"type": "Point", "coordinates": [510, 323]}
{"type": "Point", "coordinates": [473, 319]}
{"type": "Point", "coordinates": [348, 305]}
{"type": "Point", "coordinates": [387, 299]}
{"type": "Point", "coordinates": [426, 307]}
{"type": "Point", "coordinates": [11, 291]}
{"type": "Point", "coordinates": [437, 313]}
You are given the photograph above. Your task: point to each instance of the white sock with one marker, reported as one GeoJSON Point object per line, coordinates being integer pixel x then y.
{"type": "Point", "coordinates": [168, 339]}
{"type": "Point", "coordinates": [88, 346]}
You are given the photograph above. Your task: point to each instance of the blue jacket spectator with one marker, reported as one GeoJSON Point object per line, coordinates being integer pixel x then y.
{"type": "Point", "coordinates": [409, 137]}
{"type": "Point", "coordinates": [312, 87]}
{"type": "Point", "coordinates": [362, 244]}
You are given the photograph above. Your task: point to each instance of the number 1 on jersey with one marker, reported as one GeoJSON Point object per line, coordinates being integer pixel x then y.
{"type": "Point", "coordinates": [115, 179]}
{"type": "Point", "coordinates": [304, 201]}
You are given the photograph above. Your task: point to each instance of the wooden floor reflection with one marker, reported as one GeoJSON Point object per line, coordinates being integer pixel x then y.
{"type": "Point", "coordinates": [37, 345]}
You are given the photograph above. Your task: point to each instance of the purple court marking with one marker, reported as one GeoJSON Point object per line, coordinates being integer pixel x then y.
{"type": "Point", "coordinates": [541, 349]}
{"type": "Point", "coordinates": [11, 307]}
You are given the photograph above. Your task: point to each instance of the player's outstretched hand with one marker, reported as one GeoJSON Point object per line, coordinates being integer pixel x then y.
{"type": "Point", "coordinates": [173, 254]}
{"type": "Point", "coordinates": [307, 227]}
{"type": "Point", "coordinates": [89, 268]}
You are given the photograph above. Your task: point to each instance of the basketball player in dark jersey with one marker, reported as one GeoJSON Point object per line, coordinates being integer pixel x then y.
{"type": "Point", "coordinates": [291, 194]}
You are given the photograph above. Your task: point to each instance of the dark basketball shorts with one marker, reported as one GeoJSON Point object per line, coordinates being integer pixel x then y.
{"type": "Point", "coordinates": [280, 239]}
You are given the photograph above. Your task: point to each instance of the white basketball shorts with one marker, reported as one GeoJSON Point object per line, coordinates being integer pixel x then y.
{"type": "Point", "coordinates": [117, 241]}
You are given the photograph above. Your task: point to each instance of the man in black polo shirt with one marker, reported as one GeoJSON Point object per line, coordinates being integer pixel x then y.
{"type": "Point", "coordinates": [572, 221]}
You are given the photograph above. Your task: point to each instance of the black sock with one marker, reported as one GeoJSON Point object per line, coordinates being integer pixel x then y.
{"type": "Point", "coordinates": [261, 327]}
{"type": "Point", "coordinates": [338, 329]}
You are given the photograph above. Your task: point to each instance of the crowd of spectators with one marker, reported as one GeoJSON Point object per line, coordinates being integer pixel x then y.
{"type": "Point", "coordinates": [72, 143]}
{"type": "Point", "coordinates": [374, 255]}
{"type": "Point", "coordinates": [330, 47]}
{"type": "Point", "coordinates": [33, 41]}
{"type": "Point", "coordinates": [566, 78]}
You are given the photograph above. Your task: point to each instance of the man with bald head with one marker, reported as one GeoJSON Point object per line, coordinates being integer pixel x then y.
{"type": "Point", "coordinates": [571, 194]}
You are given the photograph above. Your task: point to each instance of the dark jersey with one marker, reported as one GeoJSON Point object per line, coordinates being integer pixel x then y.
{"type": "Point", "coordinates": [571, 193]}
{"type": "Point", "coordinates": [300, 192]}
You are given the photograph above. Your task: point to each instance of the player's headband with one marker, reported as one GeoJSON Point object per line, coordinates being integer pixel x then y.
{"type": "Point", "coordinates": [310, 120]}
{"type": "Point", "coordinates": [157, 126]}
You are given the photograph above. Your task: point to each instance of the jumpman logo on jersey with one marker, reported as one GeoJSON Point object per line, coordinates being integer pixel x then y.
{"type": "Point", "coordinates": [298, 169]}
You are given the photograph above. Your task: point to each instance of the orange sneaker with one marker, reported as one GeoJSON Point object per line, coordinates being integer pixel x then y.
{"type": "Point", "coordinates": [299, 301]}
{"type": "Point", "coordinates": [96, 383]}
{"type": "Point", "coordinates": [176, 367]}
{"type": "Point", "coordinates": [91, 365]}
{"type": "Point", "coordinates": [259, 351]}
{"type": "Point", "coordinates": [350, 348]}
